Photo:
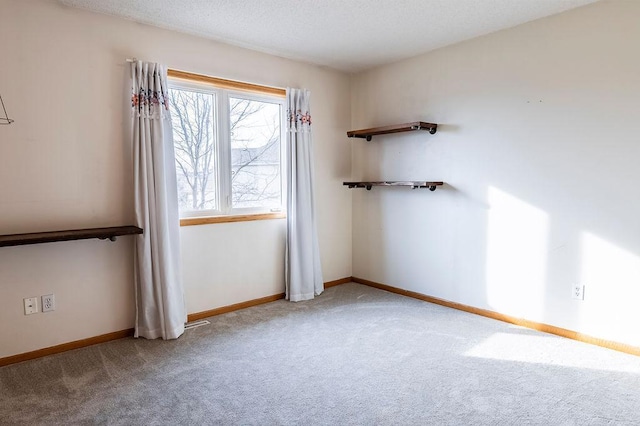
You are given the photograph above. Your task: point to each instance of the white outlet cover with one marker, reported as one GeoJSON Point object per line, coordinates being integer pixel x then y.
{"type": "Point", "coordinates": [577, 291]}
{"type": "Point", "coordinates": [48, 303]}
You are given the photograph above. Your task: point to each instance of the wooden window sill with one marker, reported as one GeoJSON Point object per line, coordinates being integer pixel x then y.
{"type": "Point", "coordinates": [190, 221]}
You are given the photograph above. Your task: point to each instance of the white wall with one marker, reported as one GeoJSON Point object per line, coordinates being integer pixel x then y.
{"type": "Point", "coordinates": [65, 163]}
{"type": "Point", "coordinates": [539, 142]}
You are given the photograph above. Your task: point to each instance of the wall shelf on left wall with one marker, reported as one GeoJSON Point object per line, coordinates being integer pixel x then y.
{"type": "Point", "coordinates": [75, 234]}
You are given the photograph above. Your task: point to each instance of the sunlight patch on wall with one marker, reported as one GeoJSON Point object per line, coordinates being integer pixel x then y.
{"type": "Point", "coordinates": [611, 276]}
{"type": "Point", "coordinates": [517, 235]}
{"type": "Point", "coordinates": [521, 345]}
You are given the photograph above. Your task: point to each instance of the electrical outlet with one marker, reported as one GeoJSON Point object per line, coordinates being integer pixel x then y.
{"type": "Point", "coordinates": [48, 303]}
{"type": "Point", "coordinates": [577, 291]}
{"type": "Point", "coordinates": [31, 305]}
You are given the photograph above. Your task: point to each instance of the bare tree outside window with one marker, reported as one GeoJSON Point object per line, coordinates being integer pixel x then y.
{"type": "Point", "coordinates": [254, 139]}
{"type": "Point", "coordinates": [255, 153]}
{"type": "Point", "coordinates": [194, 141]}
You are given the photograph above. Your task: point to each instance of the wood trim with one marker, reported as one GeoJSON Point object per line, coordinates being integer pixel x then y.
{"type": "Point", "coordinates": [226, 84]}
{"type": "Point", "coordinates": [337, 282]}
{"type": "Point", "coordinates": [620, 347]}
{"type": "Point", "coordinates": [235, 307]}
{"type": "Point", "coordinates": [190, 221]}
{"type": "Point", "coordinates": [255, 302]}
{"type": "Point", "coordinates": [546, 328]}
{"type": "Point", "coordinates": [66, 347]}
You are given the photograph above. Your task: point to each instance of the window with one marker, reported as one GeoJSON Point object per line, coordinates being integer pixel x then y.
{"type": "Point", "coordinates": [229, 146]}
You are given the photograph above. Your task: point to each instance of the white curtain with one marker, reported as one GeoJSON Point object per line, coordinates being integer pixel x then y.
{"type": "Point", "coordinates": [160, 310]}
{"type": "Point", "coordinates": [303, 270]}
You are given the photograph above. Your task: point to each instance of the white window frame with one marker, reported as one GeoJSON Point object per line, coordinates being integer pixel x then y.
{"type": "Point", "coordinates": [222, 149]}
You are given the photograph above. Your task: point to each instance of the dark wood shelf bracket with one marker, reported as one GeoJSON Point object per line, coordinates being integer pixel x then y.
{"type": "Point", "coordinates": [75, 234]}
{"type": "Point", "coordinates": [396, 128]}
{"type": "Point", "coordinates": [413, 184]}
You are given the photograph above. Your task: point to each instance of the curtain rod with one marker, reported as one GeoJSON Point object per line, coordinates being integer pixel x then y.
{"type": "Point", "coordinates": [132, 59]}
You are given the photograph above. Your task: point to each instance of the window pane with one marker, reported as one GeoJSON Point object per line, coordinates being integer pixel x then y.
{"type": "Point", "coordinates": [192, 114]}
{"type": "Point", "coordinates": [255, 153]}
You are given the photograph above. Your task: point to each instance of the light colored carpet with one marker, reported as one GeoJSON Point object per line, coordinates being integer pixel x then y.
{"type": "Point", "coordinates": [355, 355]}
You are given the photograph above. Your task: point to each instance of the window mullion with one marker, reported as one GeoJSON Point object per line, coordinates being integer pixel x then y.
{"type": "Point", "coordinates": [224, 152]}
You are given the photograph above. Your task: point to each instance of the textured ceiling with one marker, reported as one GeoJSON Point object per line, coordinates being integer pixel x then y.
{"type": "Point", "coordinates": [349, 35]}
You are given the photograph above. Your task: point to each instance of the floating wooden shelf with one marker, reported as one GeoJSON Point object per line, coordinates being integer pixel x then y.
{"type": "Point", "coordinates": [413, 184]}
{"type": "Point", "coordinates": [75, 234]}
{"type": "Point", "coordinates": [396, 128]}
